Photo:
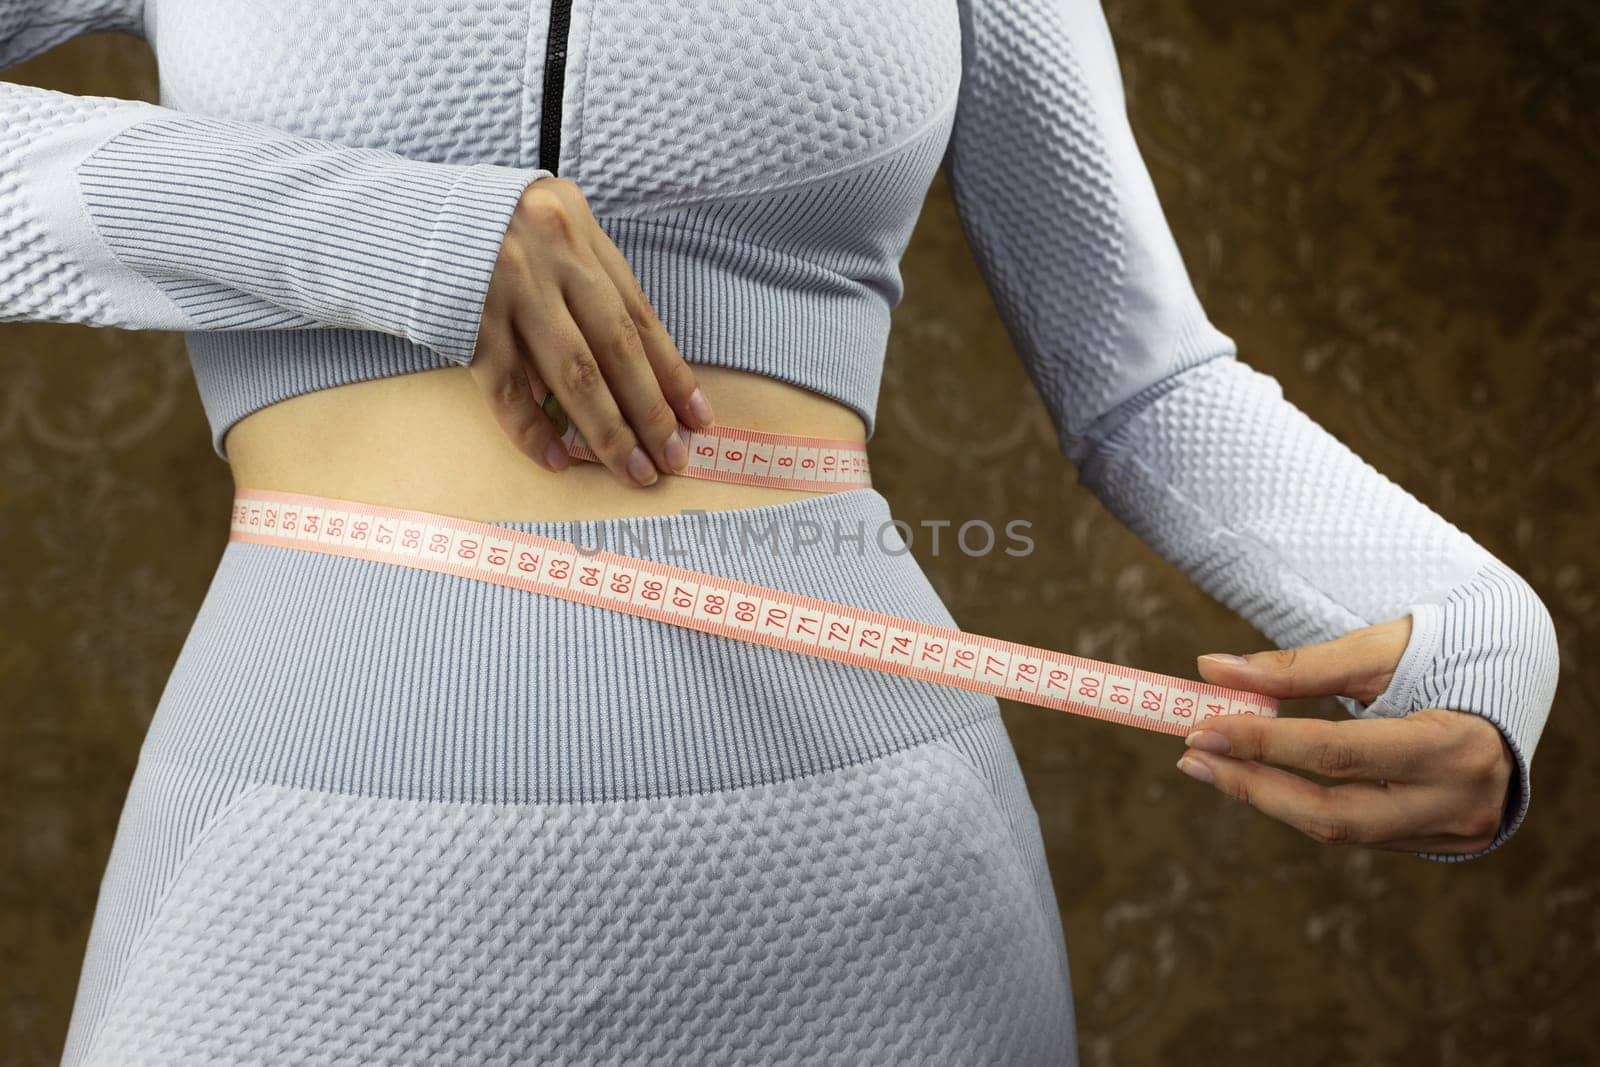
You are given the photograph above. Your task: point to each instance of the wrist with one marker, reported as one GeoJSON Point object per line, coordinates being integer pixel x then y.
{"type": "Point", "coordinates": [464, 246]}
{"type": "Point", "coordinates": [1489, 648]}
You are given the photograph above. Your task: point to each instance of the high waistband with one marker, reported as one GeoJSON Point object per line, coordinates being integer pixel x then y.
{"type": "Point", "coordinates": [368, 677]}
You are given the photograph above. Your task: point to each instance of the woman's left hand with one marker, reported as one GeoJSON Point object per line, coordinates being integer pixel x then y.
{"type": "Point", "coordinates": [1431, 781]}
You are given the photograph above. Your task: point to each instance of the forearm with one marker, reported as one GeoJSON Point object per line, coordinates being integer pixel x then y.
{"type": "Point", "coordinates": [1281, 522]}
{"type": "Point", "coordinates": [132, 215]}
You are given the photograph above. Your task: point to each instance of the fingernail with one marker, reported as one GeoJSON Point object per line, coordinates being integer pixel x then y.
{"type": "Point", "coordinates": [555, 454]}
{"type": "Point", "coordinates": [1224, 657]}
{"type": "Point", "coordinates": [1209, 741]}
{"type": "Point", "coordinates": [1197, 770]}
{"type": "Point", "coordinates": [640, 467]}
{"type": "Point", "coordinates": [700, 407]}
{"type": "Point", "coordinates": [677, 453]}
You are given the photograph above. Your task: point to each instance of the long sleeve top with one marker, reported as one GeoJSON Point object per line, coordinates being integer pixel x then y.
{"type": "Point", "coordinates": [320, 195]}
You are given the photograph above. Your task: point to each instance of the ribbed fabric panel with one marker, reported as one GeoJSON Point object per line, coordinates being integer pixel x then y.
{"type": "Point", "coordinates": [241, 371]}
{"type": "Point", "coordinates": [1490, 647]}
{"type": "Point", "coordinates": [245, 227]}
{"type": "Point", "coordinates": [371, 678]}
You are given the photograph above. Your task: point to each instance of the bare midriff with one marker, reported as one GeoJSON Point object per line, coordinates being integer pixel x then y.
{"type": "Point", "coordinates": [429, 441]}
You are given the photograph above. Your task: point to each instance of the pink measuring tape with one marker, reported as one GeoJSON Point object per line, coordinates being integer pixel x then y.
{"type": "Point", "coordinates": [734, 609]}
{"type": "Point", "coordinates": [755, 457]}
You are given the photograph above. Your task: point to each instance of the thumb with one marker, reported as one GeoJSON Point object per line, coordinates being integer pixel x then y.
{"type": "Point", "coordinates": [1358, 664]}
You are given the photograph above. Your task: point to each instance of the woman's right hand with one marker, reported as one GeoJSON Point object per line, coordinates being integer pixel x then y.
{"type": "Point", "coordinates": [565, 314]}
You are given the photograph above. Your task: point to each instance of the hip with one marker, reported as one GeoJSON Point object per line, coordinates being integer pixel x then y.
{"type": "Point", "coordinates": [363, 676]}
{"type": "Point", "coordinates": [901, 903]}
{"type": "Point", "coordinates": [368, 784]}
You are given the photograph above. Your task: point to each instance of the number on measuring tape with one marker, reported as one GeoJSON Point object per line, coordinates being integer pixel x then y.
{"type": "Point", "coordinates": [900, 645]}
{"type": "Point", "coordinates": [770, 617]}
{"type": "Point", "coordinates": [1025, 673]}
{"type": "Point", "coordinates": [732, 454]}
{"type": "Point", "coordinates": [744, 611]}
{"type": "Point", "coordinates": [775, 617]}
{"type": "Point", "coordinates": [759, 462]}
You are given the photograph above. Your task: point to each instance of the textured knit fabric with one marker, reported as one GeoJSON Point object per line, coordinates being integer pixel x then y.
{"type": "Point", "coordinates": [1211, 470]}
{"type": "Point", "coordinates": [385, 815]}
{"type": "Point", "coordinates": [1198, 453]}
{"type": "Point", "coordinates": [319, 199]}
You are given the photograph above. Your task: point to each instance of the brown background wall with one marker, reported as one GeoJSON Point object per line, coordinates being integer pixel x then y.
{"type": "Point", "coordinates": [1392, 208]}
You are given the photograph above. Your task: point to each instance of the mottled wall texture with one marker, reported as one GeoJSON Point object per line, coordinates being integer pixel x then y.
{"type": "Point", "coordinates": [1392, 208]}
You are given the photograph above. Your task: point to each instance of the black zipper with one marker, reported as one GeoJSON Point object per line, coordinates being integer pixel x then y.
{"type": "Point", "coordinates": [555, 74]}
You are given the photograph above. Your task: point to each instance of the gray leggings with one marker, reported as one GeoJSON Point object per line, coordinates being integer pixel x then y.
{"type": "Point", "coordinates": [388, 815]}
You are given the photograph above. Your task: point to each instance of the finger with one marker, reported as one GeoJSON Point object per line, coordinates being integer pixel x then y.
{"type": "Point", "coordinates": [1348, 748]}
{"type": "Point", "coordinates": [1356, 813]}
{"type": "Point", "coordinates": [613, 336]}
{"type": "Point", "coordinates": [562, 358]}
{"type": "Point", "coordinates": [500, 366]}
{"type": "Point", "coordinates": [672, 371]}
{"type": "Point", "coordinates": [556, 456]}
{"type": "Point", "coordinates": [1357, 664]}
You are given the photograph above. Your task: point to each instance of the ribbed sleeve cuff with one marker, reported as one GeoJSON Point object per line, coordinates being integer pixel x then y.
{"type": "Point", "coordinates": [1490, 649]}
{"type": "Point", "coordinates": [245, 227]}
{"type": "Point", "coordinates": [464, 246]}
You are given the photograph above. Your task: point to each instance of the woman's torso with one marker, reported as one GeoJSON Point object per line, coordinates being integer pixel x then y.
{"type": "Point", "coordinates": [761, 166]}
